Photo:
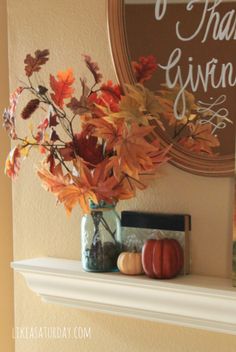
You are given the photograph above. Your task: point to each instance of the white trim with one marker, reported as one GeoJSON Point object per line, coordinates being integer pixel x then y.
{"type": "Point", "coordinates": [195, 301]}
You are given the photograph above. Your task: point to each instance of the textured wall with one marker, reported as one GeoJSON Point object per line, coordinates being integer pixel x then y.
{"type": "Point", "coordinates": [70, 28]}
{"type": "Point", "coordinates": [6, 277]}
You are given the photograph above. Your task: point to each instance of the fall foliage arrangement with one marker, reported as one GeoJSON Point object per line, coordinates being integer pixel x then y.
{"type": "Point", "coordinates": [97, 145]}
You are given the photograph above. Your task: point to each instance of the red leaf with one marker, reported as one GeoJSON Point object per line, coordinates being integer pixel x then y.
{"type": "Point", "coordinates": [51, 162]}
{"type": "Point", "coordinates": [67, 153]}
{"type": "Point", "coordinates": [144, 68]}
{"type": "Point", "coordinates": [89, 149]}
{"type": "Point", "coordinates": [85, 146]}
{"type": "Point", "coordinates": [33, 64]}
{"type": "Point", "coordinates": [41, 131]}
{"type": "Point", "coordinates": [62, 87]}
{"type": "Point", "coordinates": [113, 90]}
{"type": "Point", "coordinates": [43, 125]}
{"type": "Point", "coordinates": [109, 96]}
{"type": "Point", "coordinates": [12, 165]}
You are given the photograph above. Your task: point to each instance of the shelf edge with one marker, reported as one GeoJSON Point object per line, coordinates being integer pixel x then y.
{"type": "Point", "coordinates": [173, 306]}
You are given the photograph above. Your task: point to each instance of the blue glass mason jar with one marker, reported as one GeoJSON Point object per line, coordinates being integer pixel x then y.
{"type": "Point", "coordinates": [101, 241]}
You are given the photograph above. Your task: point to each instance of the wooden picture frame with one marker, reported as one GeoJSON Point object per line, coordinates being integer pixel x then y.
{"type": "Point", "coordinates": [204, 165]}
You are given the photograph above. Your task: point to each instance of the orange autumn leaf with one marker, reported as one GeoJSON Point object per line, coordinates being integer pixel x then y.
{"type": "Point", "coordinates": [99, 180]}
{"type": "Point", "coordinates": [111, 188]}
{"type": "Point", "coordinates": [53, 182]}
{"type": "Point", "coordinates": [133, 151]}
{"type": "Point", "coordinates": [125, 189]}
{"type": "Point", "coordinates": [201, 139]}
{"type": "Point", "coordinates": [90, 185]}
{"type": "Point", "coordinates": [127, 185]}
{"type": "Point", "coordinates": [72, 195]}
{"type": "Point", "coordinates": [67, 193]}
{"type": "Point", "coordinates": [62, 87]}
{"type": "Point", "coordinates": [108, 131]}
{"type": "Point", "coordinates": [14, 159]}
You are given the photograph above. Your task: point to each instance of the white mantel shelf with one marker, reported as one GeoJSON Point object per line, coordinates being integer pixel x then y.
{"type": "Point", "coordinates": [195, 301]}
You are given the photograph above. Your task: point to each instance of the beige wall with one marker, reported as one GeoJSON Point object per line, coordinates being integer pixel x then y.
{"type": "Point", "coordinates": [6, 286]}
{"type": "Point", "coordinates": [70, 28]}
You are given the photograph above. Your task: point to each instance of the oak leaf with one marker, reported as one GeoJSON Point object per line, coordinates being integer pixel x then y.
{"type": "Point", "coordinates": [93, 68]}
{"type": "Point", "coordinates": [62, 87]}
{"type": "Point", "coordinates": [33, 64]}
{"type": "Point", "coordinates": [112, 90]}
{"type": "Point", "coordinates": [80, 106]}
{"type": "Point", "coordinates": [144, 68]}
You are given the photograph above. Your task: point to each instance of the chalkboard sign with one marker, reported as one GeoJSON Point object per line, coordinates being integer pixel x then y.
{"type": "Point", "coordinates": [184, 52]}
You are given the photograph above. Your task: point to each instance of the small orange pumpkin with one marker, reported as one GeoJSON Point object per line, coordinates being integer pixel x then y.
{"type": "Point", "coordinates": [130, 263]}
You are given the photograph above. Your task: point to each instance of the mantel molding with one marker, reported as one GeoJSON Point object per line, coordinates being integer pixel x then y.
{"type": "Point", "coordinates": [194, 301]}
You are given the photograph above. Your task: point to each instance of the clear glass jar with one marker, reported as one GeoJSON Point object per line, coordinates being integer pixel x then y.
{"type": "Point", "coordinates": [101, 238]}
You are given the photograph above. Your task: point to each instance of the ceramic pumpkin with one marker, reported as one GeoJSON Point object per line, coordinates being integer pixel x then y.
{"type": "Point", "coordinates": [130, 263]}
{"type": "Point", "coordinates": [163, 258]}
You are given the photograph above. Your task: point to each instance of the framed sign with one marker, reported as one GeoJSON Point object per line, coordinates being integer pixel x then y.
{"type": "Point", "coordinates": [191, 45]}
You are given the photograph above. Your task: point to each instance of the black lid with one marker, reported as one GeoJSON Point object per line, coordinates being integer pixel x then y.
{"type": "Point", "coordinates": [171, 222]}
